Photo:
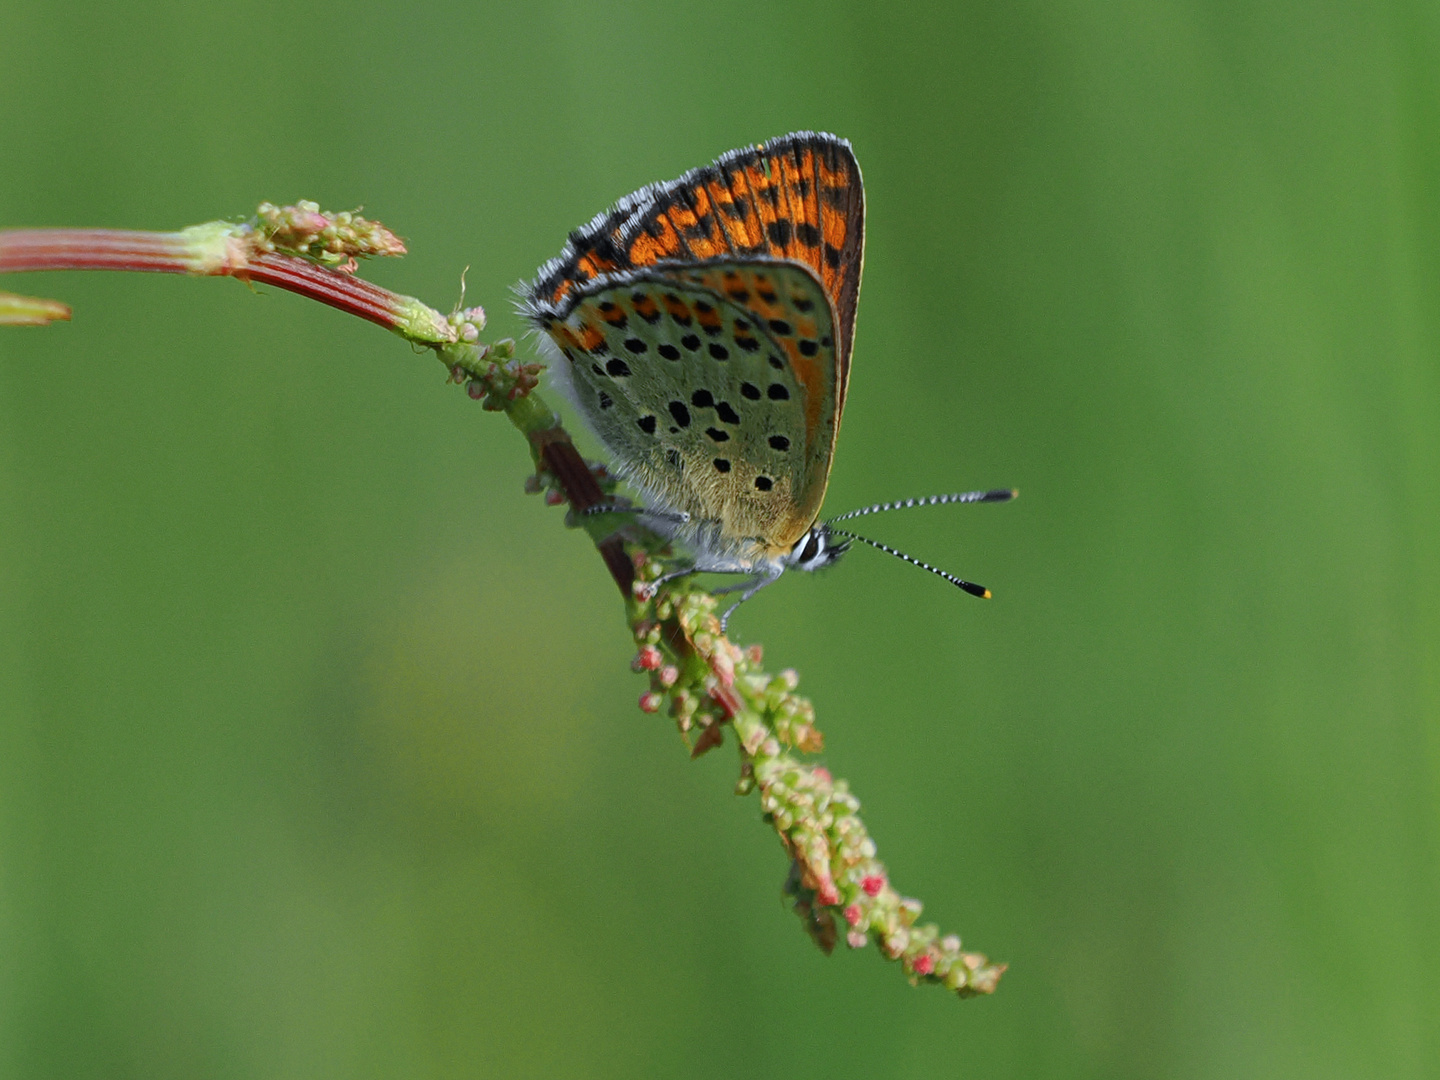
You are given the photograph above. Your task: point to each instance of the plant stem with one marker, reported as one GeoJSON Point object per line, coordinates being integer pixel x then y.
{"type": "Point", "coordinates": [705, 680]}
{"type": "Point", "coordinates": [221, 249]}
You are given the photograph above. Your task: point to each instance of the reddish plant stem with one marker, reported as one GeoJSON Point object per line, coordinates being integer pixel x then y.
{"type": "Point", "coordinates": [582, 490]}
{"type": "Point", "coordinates": [175, 253]}
{"type": "Point", "coordinates": [93, 249]}
{"type": "Point", "coordinates": [343, 291]}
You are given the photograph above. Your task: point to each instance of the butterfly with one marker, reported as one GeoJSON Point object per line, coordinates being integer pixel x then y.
{"type": "Point", "coordinates": [703, 328]}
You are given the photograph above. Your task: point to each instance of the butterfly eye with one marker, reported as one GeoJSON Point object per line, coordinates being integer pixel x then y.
{"type": "Point", "coordinates": [811, 548]}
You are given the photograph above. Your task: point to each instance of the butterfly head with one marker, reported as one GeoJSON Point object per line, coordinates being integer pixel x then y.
{"type": "Point", "coordinates": [816, 550]}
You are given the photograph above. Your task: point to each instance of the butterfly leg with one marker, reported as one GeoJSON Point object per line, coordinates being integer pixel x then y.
{"type": "Point", "coordinates": [618, 508]}
{"type": "Point", "coordinates": [751, 586]}
{"type": "Point", "coordinates": [673, 575]}
{"type": "Point", "coordinates": [664, 579]}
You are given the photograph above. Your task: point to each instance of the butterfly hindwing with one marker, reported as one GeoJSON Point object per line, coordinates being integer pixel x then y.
{"type": "Point", "coordinates": [714, 386]}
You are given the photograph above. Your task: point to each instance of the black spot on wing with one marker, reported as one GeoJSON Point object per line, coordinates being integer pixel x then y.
{"type": "Point", "coordinates": [700, 230]}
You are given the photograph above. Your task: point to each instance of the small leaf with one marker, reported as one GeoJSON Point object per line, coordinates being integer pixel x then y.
{"type": "Point", "coordinates": [30, 310]}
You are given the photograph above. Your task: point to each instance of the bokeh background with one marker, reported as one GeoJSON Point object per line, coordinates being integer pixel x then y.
{"type": "Point", "coordinates": [319, 754]}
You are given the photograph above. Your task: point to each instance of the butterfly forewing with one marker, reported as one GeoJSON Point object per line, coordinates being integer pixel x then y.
{"type": "Point", "coordinates": [798, 197]}
{"type": "Point", "coordinates": [714, 387]}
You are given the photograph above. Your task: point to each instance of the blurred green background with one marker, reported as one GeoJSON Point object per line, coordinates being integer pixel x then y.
{"type": "Point", "coordinates": [319, 754]}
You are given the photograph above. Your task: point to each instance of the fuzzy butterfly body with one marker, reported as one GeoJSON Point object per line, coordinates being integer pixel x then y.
{"type": "Point", "coordinates": [703, 328]}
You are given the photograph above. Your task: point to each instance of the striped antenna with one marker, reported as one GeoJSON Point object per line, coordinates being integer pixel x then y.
{"type": "Point", "coordinates": [969, 586]}
{"type": "Point", "coordinates": [994, 495]}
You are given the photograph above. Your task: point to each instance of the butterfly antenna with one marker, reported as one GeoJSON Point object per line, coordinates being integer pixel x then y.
{"type": "Point", "coordinates": [969, 586]}
{"type": "Point", "coordinates": [994, 495]}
